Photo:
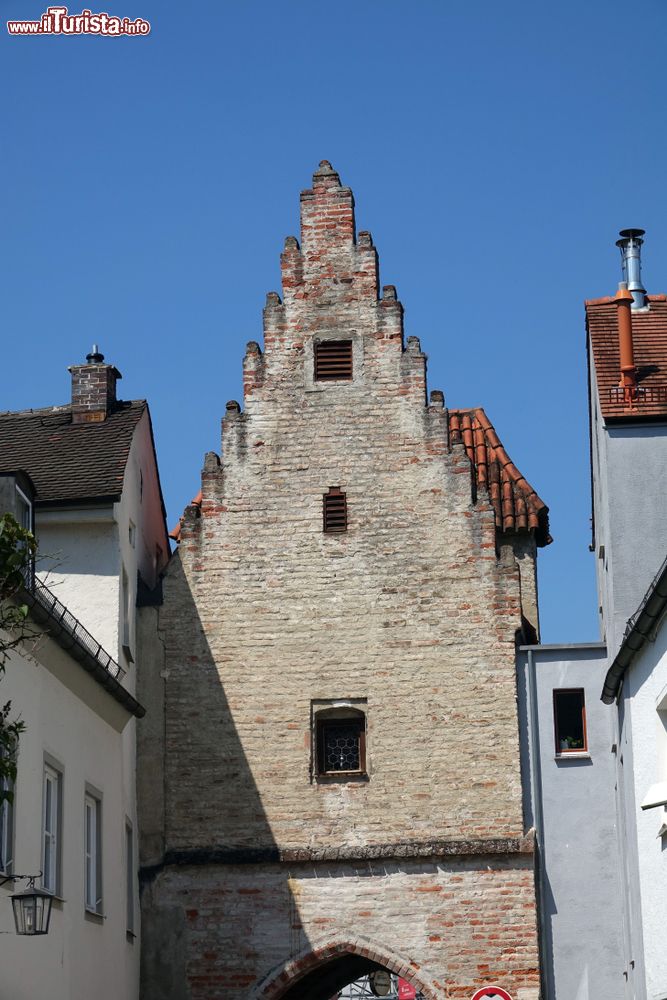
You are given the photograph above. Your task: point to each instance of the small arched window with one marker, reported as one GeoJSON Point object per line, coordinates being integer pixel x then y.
{"type": "Point", "coordinates": [340, 742]}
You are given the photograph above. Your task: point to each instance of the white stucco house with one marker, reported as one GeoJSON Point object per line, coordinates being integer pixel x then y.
{"type": "Point", "coordinates": [86, 473]}
{"type": "Point", "coordinates": [594, 715]}
{"type": "Point", "coordinates": [636, 684]}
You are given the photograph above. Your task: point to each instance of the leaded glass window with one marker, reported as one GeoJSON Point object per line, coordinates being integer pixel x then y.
{"type": "Point", "coordinates": [341, 745]}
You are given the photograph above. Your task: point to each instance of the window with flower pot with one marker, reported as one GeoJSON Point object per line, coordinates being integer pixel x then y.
{"type": "Point", "coordinates": [570, 721]}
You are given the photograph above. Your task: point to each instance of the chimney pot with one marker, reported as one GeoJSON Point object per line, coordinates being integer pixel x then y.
{"type": "Point", "coordinates": [630, 245]}
{"type": "Point", "coordinates": [95, 358]}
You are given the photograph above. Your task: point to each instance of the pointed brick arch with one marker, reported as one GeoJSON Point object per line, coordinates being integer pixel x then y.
{"type": "Point", "coordinates": [280, 982]}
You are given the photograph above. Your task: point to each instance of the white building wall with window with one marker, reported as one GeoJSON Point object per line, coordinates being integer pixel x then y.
{"type": "Point", "coordinates": [98, 529]}
{"type": "Point", "coordinates": [569, 800]}
{"type": "Point", "coordinates": [85, 551]}
{"type": "Point", "coordinates": [642, 780]}
{"type": "Point", "coordinates": [70, 757]}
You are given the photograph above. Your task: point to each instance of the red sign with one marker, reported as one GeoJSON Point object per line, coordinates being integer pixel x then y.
{"type": "Point", "coordinates": [491, 993]}
{"type": "Point", "coordinates": [406, 991]}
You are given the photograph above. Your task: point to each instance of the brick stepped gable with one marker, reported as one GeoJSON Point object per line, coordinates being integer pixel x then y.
{"type": "Point", "coordinates": [415, 578]}
{"type": "Point", "coordinates": [413, 612]}
{"type": "Point", "coordinates": [330, 289]}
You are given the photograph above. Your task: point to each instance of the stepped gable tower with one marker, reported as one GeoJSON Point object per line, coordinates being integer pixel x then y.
{"type": "Point", "coordinates": [330, 767]}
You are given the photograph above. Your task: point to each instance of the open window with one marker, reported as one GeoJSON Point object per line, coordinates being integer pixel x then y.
{"type": "Point", "coordinates": [340, 742]}
{"type": "Point", "coordinates": [570, 721]}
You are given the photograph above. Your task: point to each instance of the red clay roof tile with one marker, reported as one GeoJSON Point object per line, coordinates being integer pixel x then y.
{"type": "Point", "coordinates": [196, 501]}
{"type": "Point", "coordinates": [649, 336]}
{"type": "Point", "coordinates": [516, 504]}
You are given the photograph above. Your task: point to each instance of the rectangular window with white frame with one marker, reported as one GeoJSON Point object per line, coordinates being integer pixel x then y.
{"type": "Point", "coordinates": [92, 832]}
{"type": "Point", "coordinates": [130, 878]}
{"type": "Point", "coordinates": [52, 799]}
{"type": "Point", "coordinates": [6, 826]}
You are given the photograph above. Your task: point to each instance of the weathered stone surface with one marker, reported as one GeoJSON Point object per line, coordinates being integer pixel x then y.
{"type": "Point", "coordinates": [411, 610]}
{"type": "Point", "coordinates": [454, 925]}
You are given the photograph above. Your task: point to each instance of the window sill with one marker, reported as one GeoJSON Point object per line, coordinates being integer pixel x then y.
{"type": "Point", "coordinates": [573, 755]}
{"type": "Point", "coordinates": [340, 777]}
{"type": "Point", "coordinates": [93, 916]}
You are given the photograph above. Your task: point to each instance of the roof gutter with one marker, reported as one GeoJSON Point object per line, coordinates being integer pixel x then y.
{"type": "Point", "coordinates": [108, 498]}
{"type": "Point", "coordinates": [641, 628]}
{"type": "Point", "coordinates": [70, 641]}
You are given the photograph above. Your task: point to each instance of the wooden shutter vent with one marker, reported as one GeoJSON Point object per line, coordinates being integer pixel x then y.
{"type": "Point", "coordinates": [333, 360]}
{"type": "Point", "coordinates": [335, 510]}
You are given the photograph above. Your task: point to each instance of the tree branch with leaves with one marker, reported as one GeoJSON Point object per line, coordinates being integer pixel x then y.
{"type": "Point", "coordinates": [17, 552]}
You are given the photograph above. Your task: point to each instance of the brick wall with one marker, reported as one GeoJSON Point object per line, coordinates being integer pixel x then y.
{"type": "Point", "coordinates": [93, 391]}
{"type": "Point", "coordinates": [449, 926]}
{"type": "Point", "coordinates": [411, 612]}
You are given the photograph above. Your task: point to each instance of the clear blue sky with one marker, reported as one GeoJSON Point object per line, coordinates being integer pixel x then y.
{"type": "Point", "coordinates": [494, 151]}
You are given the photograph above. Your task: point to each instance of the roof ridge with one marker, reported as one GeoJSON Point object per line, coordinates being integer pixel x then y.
{"type": "Point", "coordinates": [606, 300]}
{"type": "Point", "coordinates": [38, 411]}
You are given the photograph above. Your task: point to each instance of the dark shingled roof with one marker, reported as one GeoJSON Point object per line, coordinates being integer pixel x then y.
{"type": "Point", "coordinates": [649, 337]}
{"type": "Point", "coordinates": [69, 462]}
{"type": "Point", "coordinates": [516, 504]}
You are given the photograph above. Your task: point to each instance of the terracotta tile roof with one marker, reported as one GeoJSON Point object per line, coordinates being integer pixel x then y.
{"type": "Point", "coordinates": [649, 336]}
{"type": "Point", "coordinates": [516, 504]}
{"type": "Point", "coordinates": [69, 462]}
{"type": "Point", "coordinates": [196, 501]}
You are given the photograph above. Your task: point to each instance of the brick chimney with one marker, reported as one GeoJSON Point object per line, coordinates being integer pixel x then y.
{"type": "Point", "coordinates": [93, 389]}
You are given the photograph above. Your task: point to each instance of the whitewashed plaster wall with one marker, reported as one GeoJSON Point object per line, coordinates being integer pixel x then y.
{"type": "Point", "coordinates": [73, 720]}
{"type": "Point", "coordinates": [643, 745]}
{"type": "Point", "coordinates": [84, 551]}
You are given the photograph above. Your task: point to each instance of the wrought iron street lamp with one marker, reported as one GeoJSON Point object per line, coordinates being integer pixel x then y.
{"type": "Point", "coordinates": [32, 906]}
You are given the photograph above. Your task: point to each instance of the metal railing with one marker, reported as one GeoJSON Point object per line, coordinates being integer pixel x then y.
{"type": "Point", "coordinates": [641, 396]}
{"type": "Point", "coordinates": [60, 615]}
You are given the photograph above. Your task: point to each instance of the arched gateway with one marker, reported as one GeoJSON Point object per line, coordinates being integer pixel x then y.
{"type": "Point", "coordinates": [331, 750]}
{"type": "Point", "coordinates": [320, 973]}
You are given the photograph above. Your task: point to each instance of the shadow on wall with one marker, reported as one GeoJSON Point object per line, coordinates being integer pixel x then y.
{"type": "Point", "coordinates": [220, 915]}
{"type": "Point", "coordinates": [187, 753]}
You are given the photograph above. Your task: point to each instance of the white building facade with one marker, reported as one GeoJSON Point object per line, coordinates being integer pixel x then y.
{"type": "Point", "coordinates": [99, 521]}
{"type": "Point", "coordinates": [594, 717]}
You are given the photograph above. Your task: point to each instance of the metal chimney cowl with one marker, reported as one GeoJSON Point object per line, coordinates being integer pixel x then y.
{"type": "Point", "coordinates": [630, 245]}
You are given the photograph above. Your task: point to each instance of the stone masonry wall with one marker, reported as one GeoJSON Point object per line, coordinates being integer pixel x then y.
{"type": "Point", "coordinates": [410, 612]}
{"type": "Point", "coordinates": [451, 925]}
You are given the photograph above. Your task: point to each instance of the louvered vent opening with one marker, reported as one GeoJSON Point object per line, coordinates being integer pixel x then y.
{"type": "Point", "coordinates": [333, 360]}
{"type": "Point", "coordinates": [335, 510]}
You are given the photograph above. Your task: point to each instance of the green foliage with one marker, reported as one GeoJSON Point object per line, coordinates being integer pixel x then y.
{"type": "Point", "coordinates": [17, 550]}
